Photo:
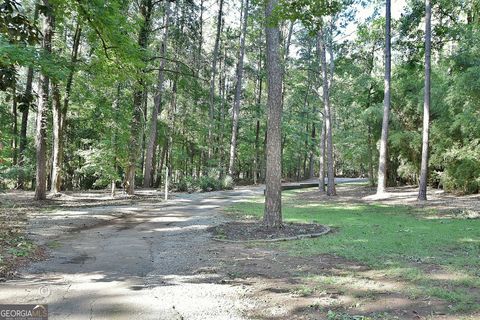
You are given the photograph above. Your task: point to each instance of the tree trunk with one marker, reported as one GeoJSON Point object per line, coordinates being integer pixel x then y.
{"type": "Point", "coordinates": [321, 174]}
{"type": "Point", "coordinates": [224, 90]}
{"type": "Point", "coordinates": [116, 145]}
{"type": "Point", "coordinates": [238, 92]}
{"type": "Point", "coordinates": [311, 163]}
{"type": "Point", "coordinates": [382, 162]}
{"type": "Point", "coordinates": [422, 190]}
{"type": "Point", "coordinates": [40, 136]}
{"type": "Point", "coordinates": [60, 115]}
{"type": "Point", "coordinates": [328, 126]}
{"type": "Point", "coordinates": [272, 217]}
{"type": "Point", "coordinates": [27, 100]}
{"type": "Point", "coordinates": [257, 128]}
{"type": "Point", "coordinates": [157, 108]}
{"type": "Point", "coordinates": [371, 178]}
{"type": "Point", "coordinates": [136, 125]}
{"type": "Point", "coordinates": [15, 126]}
{"type": "Point", "coordinates": [57, 137]}
{"type": "Point", "coordinates": [171, 128]}
{"type": "Point", "coordinates": [158, 181]}
{"type": "Point", "coordinates": [212, 81]}
{"type": "Point", "coordinates": [200, 40]}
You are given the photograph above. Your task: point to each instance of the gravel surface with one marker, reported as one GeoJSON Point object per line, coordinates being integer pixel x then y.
{"type": "Point", "coordinates": [135, 261]}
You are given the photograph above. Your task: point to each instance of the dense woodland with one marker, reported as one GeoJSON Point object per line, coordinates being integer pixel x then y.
{"type": "Point", "coordinates": [105, 93]}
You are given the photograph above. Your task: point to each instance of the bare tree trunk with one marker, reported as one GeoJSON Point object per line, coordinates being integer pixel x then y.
{"type": "Point", "coordinates": [289, 40]}
{"type": "Point", "coordinates": [40, 136]}
{"type": "Point", "coordinates": [146, 8]}
{"type": "Point", "coordinates": [158, 181]}
{"type": "Point", "coordinates": [311, 163]}
{"type": "Point", "coordinates": [272, 217]}
{"type": "Point", "coordinates": [60, 115]}
{"type": "Point", "coordinates": [212, 81]}
{"type": "Point", "coordinates": [57, 137]}
{"type": "Point", "coordinates": [171, 128]}
{"type": "Point", "coordinates": [256, 159]}
{"type": "Point", "coordinates": [321, 175]}
{"type": "Point", "coordinates": [200, 39]}
{"type": "Point", "coordinates": [382, 162]}
{"type": "Point", "coordinates": [28, 97]}
{"type": "Point", "coordinates": [371, 178]}
{"type": "Point", "coordinates": [223, 89]}
{"type": "Point", "coordinates": [157, 108]}
{"type": "Point", "coordinates": [328, 126]}
{"type": "Point", "coordinates": [257, 127]}
{"type": "Point", "coordinates": [422, 190]}
{"type": "Point", "coordinates": [15, 125]}
{"type": "Point", "coordinates": [116, 110]}
{"type": "Point", "coordinates": [285, 57]}
{"type": "Point", "coordinates": [238, 92]}
{"type": "Point", "coordinates": [256, 156]}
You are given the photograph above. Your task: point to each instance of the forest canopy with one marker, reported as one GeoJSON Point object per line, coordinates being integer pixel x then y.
{"type": "Point", "coordinates": [111, 93]}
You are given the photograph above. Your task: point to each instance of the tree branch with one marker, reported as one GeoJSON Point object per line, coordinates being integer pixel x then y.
{"type": "Point", "coordinates": [92, 24]}
{"type": "Point", "coordinates": [176, 72]}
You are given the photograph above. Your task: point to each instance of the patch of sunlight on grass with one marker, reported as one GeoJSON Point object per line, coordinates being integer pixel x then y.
{"type": "Point", "coordinates": [407, 273]}
{"type": "Point", "coordinates": [469, 240]}
{"type": "Point", "coordinates": [360, 240]}
{"type": "Point", "coordinates": [320, 205]}
{"type": "Point", "coordinates": [391, 239]}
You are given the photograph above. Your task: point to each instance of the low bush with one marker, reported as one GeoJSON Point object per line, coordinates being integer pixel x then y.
{"type": "Point", "coordinates": [462, 169]}
{"type": "Point", "coordinates": [204, 184]}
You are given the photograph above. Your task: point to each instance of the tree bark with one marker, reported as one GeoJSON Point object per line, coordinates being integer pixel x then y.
{"type": "Point", "coordinates": [422, 190]}
{"type": "Point", "coordinates": [60, 116]}
{"type": "Point", "coordinates": [238, 92]}
{"type": "Point", "coordinates": [15, 125]}
{"type": "Point", "coordinates": [27, 99]}
{"type": "Point", "coordinates": [311, 163]}
{"type": "Point", "coordinates": [321, 174]}
{"type": "Point", "coordinates": [40, 135]}
{"type": "Point", "coordinates": [256, 159]}
{"type": "Point", "coordinates": [212, 81]}
{"type": "Point", "coordinates": [371, 178]}
{"type": "Point", "coordinates": [224, 90]}
{"type": "Point", "coordinates": [157, 108]}
{"type": "Point", "coordinates": [146, 8]}
{"type": "Point", "coordinates": [328, 126]}
{"type": "Point", "coordinates": [57, 137]}
{"type": "Point", "coordinates": [382, 162]}
{"type": "Point", "coordinates": [200, 40]}
{"type": "Point", "coordinates": [272, 217]}
{"type": "Point", "coordinates": [171, 128]}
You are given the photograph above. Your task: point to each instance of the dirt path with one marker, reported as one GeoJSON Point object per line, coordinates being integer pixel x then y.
{"type": "Point", "coordinates": [145, 261]}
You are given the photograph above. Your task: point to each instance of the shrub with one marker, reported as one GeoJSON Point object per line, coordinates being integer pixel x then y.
{"type": "Point", "coordinates": [462, 176]}
{"type": "Point", "coordinates": [462, 171]}
{"type": "Point", "coordinates": [208, 183]}
{"type": "Point", "coordinates": [227, 183]}
{"type": "Point", "coordinates": [185, 184]}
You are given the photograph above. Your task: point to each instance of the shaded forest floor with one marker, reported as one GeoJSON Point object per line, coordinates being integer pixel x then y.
{"type": "Point", "coordinates": [138, 257]}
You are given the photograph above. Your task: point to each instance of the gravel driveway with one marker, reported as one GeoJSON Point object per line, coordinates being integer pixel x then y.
{"type": "Point", "coordinates": [144, 261]}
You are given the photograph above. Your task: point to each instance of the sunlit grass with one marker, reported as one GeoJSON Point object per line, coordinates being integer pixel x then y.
{"type": "Point", "coordinates": [392, 238]}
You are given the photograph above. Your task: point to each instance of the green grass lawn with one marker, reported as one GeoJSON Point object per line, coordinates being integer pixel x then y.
{"type": "Point", "coordinates": [398, 239]}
